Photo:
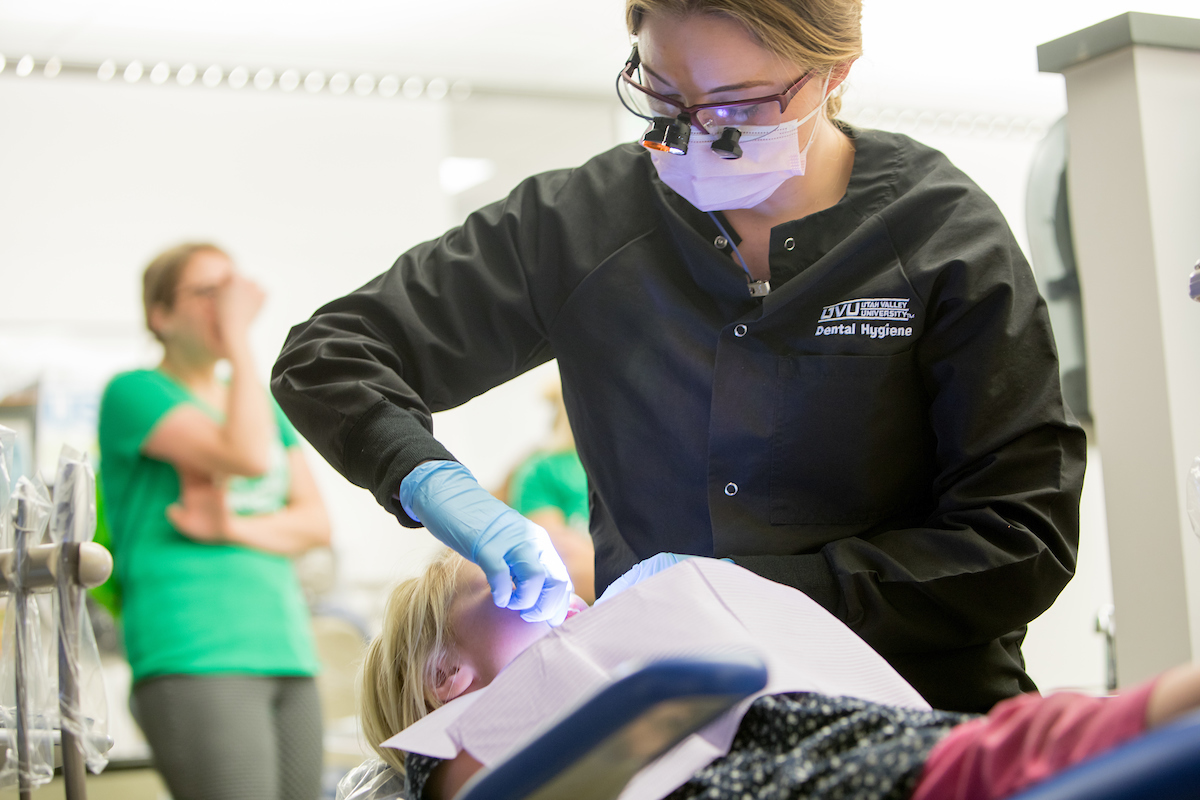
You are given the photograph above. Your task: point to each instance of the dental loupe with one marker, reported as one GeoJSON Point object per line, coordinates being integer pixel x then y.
{"type": "Point", "coordinates": [668, 135]}
{"type": "Point", "coordinates": [671, 135]}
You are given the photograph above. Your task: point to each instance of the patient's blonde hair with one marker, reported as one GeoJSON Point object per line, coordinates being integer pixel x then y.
{"type": "Point", "coordinates": [399, 672]}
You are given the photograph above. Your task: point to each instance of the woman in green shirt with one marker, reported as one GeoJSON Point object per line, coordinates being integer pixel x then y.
{"type": "Point", "coordinates": [207, 497]}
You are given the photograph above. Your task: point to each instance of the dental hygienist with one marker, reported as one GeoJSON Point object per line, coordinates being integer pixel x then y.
{"type": "Point", "coordinates": [813, 349]}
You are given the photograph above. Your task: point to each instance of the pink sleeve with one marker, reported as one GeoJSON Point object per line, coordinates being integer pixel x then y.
{"type": "Point", "coordinates": [1027, 739]}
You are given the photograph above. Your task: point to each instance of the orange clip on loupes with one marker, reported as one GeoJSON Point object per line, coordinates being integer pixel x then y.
{"type": "Point", "coordinates": [668, 135]}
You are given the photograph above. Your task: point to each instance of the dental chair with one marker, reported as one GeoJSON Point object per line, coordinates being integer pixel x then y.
{"type": "Point", "coordinates": [593, 751]}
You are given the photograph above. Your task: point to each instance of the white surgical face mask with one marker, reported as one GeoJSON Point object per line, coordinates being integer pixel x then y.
{"type": "Point", "coordinates": [770, 155]}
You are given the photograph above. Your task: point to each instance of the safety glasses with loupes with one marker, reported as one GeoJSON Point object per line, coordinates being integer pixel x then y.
{"type": "Point", "coordinates": [671, 121]}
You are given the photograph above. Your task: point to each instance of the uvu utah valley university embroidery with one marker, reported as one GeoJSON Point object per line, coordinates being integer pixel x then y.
{"type": "Point", "coordinates": [876, 317]}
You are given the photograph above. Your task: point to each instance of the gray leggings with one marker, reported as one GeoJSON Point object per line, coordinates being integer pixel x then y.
{"type": "Point", "coordinates": [233, 737]}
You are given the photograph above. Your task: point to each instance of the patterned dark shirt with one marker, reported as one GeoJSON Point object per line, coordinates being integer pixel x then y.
{"type": "Point", "coordinates": [804, 745]}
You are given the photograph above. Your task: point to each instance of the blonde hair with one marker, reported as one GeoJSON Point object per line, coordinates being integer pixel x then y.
{"type": "Point", "coordinates": [399, 672]}
{"type": "Point", "coordinates": [822, 35]}
{"type": "Point", "coordinates": [161, 278]}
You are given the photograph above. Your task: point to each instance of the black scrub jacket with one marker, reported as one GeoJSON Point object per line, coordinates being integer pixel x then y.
{"type": "Point", "coordinates": [884, 431]}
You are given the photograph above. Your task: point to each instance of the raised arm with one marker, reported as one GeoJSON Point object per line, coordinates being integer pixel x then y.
{"type": "Point", "coordinates": [193, 441]}
{"type": "Point", "coordinates": [451, 319]}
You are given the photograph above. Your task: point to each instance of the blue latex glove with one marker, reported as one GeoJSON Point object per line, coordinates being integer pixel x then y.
{"type": "Point", "coordinates": [445, 497]}
{"type": "Point", "coordinates": [644, 569]}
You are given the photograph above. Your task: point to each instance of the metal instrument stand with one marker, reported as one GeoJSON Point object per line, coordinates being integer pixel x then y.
{"type": "Point", "coordinates": [70, 598]}
{"type": "Point", "coordinates": [22, 516]}
{"type": "Point", "coordinates": [66, 568]}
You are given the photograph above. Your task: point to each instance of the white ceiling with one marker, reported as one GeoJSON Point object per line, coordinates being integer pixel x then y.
{"type": "Point", "coordinates": [920, 51]}
{"type": "Point", "coordinates": [564, 43]}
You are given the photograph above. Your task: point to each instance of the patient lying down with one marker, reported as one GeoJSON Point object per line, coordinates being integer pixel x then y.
{"type": "Point", "coordinates": [443, 638]}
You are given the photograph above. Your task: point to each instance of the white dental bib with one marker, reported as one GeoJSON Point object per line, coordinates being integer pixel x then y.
{"type": "Point", "coordinates": [700, 606]}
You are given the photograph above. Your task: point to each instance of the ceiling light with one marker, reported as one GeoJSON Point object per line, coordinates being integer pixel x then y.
{"type": "Point", "coordinates": [238, 77]}
{"type": "Point", "coordinates": [212, 76]}
{"type": "Point", "coordinates": [3, 62]}
{"type": "Point", "coordinates": [389, 85]}
{"type": "Point", "coordinates": [264, 78]}
{"type": "Point", "coordinates": [289, 80]}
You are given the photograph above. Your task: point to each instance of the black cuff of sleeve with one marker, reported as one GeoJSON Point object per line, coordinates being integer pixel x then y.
{"type": "Point", "coordinates": [809, 573]}
{"type": "Point", "coordinates": [383, 447]}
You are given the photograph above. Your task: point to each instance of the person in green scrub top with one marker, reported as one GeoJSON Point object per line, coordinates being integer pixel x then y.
{"type": "Point", "coordinates": [208, 497]}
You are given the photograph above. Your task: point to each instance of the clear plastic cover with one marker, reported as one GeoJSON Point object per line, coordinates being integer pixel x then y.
{"type": "Point", "coordinates": [28, 707]}
{"type": "Point", "coordinates": [83, 702]}
{"type": "Point", "coordinates": [8, 441]}
{"type": "Point", "coordinates": [74, 498]}
{"type": "Point", "coordinates": [1193, 496]}
{"type": "Point", "coordinates": [371, 780]}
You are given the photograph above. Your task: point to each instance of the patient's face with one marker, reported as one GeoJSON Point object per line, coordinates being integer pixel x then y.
{"type": "Point", "coordinates": [487, 638]}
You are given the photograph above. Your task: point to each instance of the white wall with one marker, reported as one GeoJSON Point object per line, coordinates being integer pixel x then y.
{"type": "Point", "coordinates": [313, 195]}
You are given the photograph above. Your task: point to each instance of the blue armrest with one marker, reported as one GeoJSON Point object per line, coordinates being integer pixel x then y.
{"type": "Point", "coordinates": [1162, 765]}
{"type": "Point", "coordinates": [595, 750]}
